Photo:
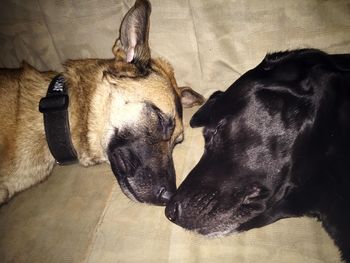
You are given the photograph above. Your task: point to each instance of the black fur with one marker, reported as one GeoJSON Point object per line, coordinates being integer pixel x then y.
{"type": "Point", "coordinates": [277, 145]}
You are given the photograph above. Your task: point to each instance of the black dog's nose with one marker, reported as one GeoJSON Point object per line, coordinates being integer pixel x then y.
{"type": "Point", "coordinates": [173, 211]}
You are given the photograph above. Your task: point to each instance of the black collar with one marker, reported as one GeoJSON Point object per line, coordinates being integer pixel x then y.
{"type": "Point", "coordinates": [55, 109]}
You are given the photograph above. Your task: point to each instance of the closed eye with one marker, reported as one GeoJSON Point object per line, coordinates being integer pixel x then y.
{"type": "Point", "coordinates": [179, 139]}
{"type": "Point", "coordinates": [209, 133]}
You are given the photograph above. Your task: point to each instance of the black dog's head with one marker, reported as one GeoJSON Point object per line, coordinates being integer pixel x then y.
{"type": "Point", "coordinates": [272, 127]}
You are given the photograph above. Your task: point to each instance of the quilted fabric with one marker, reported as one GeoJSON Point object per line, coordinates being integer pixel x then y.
{"type": "Point", "coordinates": [79, 214]}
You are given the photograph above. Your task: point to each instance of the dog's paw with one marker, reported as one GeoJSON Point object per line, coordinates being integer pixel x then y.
{"type": "Point", "coordinates": [4, 194]}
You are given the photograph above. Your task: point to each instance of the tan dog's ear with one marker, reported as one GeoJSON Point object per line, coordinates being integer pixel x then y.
{"type": "Point", "coordinates": [132, 44]}
{"type": "Point", "coordinates": [190, 98]}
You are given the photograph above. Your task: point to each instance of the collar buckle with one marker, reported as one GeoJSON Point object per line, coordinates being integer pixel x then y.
{"type": "Point", "coordinates": [57, 102]}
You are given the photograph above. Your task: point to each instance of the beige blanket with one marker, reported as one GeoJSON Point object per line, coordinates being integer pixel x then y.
{"type": "Point", "coordinates": [79, 214]}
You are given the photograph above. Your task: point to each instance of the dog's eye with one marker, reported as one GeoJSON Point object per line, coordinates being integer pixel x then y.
{"type": "Point", "coordinates": [209, 133]}
{"type": "Point", "coordinates": [179, 139]}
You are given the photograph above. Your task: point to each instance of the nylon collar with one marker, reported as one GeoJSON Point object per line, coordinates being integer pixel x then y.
{"type": "Point", "coordinates": [55, 110]}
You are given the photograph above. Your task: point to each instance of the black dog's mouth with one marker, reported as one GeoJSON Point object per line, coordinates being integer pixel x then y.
{"type": "Point", "coordinates": [214, 215]}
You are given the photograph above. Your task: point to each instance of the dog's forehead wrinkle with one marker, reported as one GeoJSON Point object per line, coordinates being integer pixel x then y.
{"type": "Point", "coordinates": [118, 105]}
{"type": "Point", "coordinates": [146, 89]}
{"type": "Point", "coordinates": [135, 107]}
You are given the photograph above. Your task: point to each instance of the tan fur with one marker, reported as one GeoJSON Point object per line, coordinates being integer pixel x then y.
{"type": "Point", "coordinates": [25, 158]}
{"type": "Point", "coordinates": [104, 95]}
{"type": "Point", "coordinates": [98, 104]}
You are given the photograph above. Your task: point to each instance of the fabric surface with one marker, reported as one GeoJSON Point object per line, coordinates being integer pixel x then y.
{"type": "Point", "coordinates": [79, 214]}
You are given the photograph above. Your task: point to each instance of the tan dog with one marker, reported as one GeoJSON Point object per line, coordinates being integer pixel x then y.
{"type": "Point", "coordinates": [126, 111]}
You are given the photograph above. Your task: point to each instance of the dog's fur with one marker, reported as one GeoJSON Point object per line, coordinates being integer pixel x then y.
{"type": "Point", "coordinates": [126, 111]}
{"type": "Point", "coordinates": [277, 145]}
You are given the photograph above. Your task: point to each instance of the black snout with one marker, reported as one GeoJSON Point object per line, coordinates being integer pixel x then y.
{"type": "Point", "coordinates": [144, 173]}
{"type": "Point", "coordinates": [173, 211]}
{"type": "Point", "coordinates": [126, 162]}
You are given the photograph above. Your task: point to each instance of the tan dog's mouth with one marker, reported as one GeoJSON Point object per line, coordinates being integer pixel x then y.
{"type": "Point", "coordinates": [138, 180]}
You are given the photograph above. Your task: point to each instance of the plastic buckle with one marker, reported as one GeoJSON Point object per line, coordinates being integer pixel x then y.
{"type": "Point", "coordinates": [53, 103]}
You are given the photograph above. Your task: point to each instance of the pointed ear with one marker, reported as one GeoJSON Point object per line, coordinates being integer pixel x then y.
{"type": "Point", "coordinates": [132, 44]}
{"type": "Point", "coordinates": [190, 98]}
{"type": "Point", "coordinates": [203, 116]}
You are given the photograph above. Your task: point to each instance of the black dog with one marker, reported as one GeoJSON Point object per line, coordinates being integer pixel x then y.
{"type": "Point", "coordinates": [277, 145]}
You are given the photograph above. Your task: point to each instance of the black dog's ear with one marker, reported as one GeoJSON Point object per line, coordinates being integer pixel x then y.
{"type": "Point", "coordinates": [132, 44]}
{"type": "Point", "coordinates": [202, 116]}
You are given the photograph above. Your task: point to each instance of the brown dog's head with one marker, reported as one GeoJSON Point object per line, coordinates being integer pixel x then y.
{"type": "Point", "coordinates": [145, 113]}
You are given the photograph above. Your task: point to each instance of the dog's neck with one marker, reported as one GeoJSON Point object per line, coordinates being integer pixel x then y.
{"type": "Point", "coordinates": [88, 109]}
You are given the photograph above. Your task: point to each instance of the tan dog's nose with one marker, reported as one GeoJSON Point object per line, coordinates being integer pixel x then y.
{"type": "Point", "coordinates": [164, 195]}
